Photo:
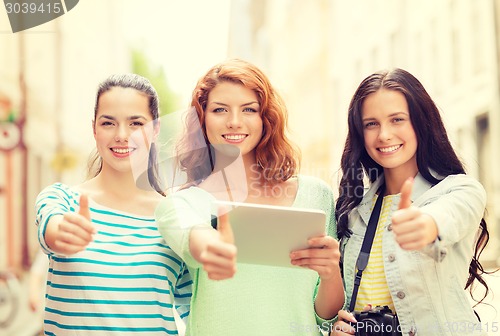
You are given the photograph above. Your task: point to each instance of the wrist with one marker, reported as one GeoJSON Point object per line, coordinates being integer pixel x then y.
{"type": "Point", "coordinates": [431, 229]}
{"type": "Point", "coordinates": [332, 278]}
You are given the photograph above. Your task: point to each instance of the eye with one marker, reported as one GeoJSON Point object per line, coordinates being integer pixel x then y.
{"type": "Point", "coordinates": [219, 110]}
{"type": "Point", "coordinates": [250, 109]}
{"type": "Point", "coordinates": [397, 120]}
{"type": "Point", "coordinates": [137, 123]}
{"type": "Point", "coordinates": [107, 123]}
{"type": "Point", "coordinates": [370, 124]}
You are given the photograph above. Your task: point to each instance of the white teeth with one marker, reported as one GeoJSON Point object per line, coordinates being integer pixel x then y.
{"type": "Point", "coordinates": [235, 137]}
{"type": "Point", "coordinates": [389, 149]}
{"type": "Point", "coordinates": [121, 150]}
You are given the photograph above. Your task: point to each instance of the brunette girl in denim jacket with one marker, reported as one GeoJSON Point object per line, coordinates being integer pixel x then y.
{"type": "Point", "coordinates": [430, 232]}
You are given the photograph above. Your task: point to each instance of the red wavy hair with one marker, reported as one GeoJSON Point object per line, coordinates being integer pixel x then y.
{"type": "Point", "coordinates": [277, 157]}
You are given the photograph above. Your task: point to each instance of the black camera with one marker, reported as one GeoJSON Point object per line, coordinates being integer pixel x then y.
{"type": "Point", "coordinates": [379, 321]}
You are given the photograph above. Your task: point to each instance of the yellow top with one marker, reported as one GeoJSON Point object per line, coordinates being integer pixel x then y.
{"type": "Point", "coordinates": [373, 288]}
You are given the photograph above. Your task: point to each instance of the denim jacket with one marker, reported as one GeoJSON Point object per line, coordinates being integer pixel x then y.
{"type": "Point", "coordinates": [427, 286]}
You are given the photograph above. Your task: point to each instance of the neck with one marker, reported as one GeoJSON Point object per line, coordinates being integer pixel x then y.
{"type": "Point", "coordinates": [236, 177]}
{"type": "Point", "coordinates": [252, 169]}
{"type": "Point", "coordinates": [238, 169]}
{"type": "Point", "coordinates": [119, 183]}
{"type": "Point", "coordinates": [394, 179]}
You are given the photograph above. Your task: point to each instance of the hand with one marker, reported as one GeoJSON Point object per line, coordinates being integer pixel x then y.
{"type": "Point", "coordinates": [342, 326]}
{"type": "Point", "coordinates": [75, 231]}
{"type": "Point", "coordinates": [413, 230]}
{"type": "Point", "coordinates": [219, 256]}
{"type": "Point", "coordinates": [322, 256]}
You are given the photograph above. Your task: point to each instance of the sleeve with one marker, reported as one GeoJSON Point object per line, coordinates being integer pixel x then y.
{"type": "Point", "coordinates": [183, 292]}
{"type": "Point", "coordinates": [176, 218]}
{"type": "Point", "coordinates": [331, 224]}
{"type": "Point", "coordinates": [53, 200]}
{"type": "Point", "coordinates": [328, 202]}
{"type": "Point", "coordinates": [457, 212]}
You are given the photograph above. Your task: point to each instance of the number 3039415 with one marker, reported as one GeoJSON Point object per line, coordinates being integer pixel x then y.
{"type": "Point", "coordinates": [32, 8]}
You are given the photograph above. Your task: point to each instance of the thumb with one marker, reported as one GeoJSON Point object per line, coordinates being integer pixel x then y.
{"type": "Point", "coordinates": [405, 201]}
{"type": "Point", "coordinates": [224, 227]}
{"type": "Point", "coordinates": [367, 307]}
{"type": "Point", "coordinates": [84, 206]}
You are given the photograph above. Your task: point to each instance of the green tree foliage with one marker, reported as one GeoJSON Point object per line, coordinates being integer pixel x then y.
{"type": "Point", "coordinates": [171, 124]}
{"type": "Point", "coordinates": [143, 66]}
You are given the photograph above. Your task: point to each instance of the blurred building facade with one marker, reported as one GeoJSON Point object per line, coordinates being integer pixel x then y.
{"type": "Point", "coordinates": [317, 52]}
{"type": "Point", "coordinates": [289, 40]}
{"type": "Point", "coordinates": [49, 78]}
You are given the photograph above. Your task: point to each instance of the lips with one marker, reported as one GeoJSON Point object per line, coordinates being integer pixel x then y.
{"type": "Point", "coordinates": [389, 149]}
{"type": "Point", "coordinates": [234, 137]}
{"type": "Point", "coordinates": [122, 151]}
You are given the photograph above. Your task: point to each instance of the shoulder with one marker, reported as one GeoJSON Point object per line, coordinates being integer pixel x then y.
{"type": "Point", "coordinates": [315, 192]}
{"type": "Point", "coordinates": [57, 195]}
{"type": "Point", "coordinates": [153, 197]}
{"type": "Point", "coordinates": [192, 194]}
{"type": "Point", "coordinates": [314, 184]}
{"type": "Point", "coordinates": [59, 190]}
{"type": "Point", "coordinates": [466, 183]}
{"type": "Point", "coordinates": [188, 198]}
{"type": "Point", "coordinates": [458, 182]}
{"type": "Point", "coordinates": [460, 179]}
{"type": "Point", "coordinates": [192, 205]}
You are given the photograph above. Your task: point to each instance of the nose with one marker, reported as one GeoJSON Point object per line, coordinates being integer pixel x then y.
{"type": "Point", "coordinates": [121, 134]}
{"type": "Point", "coordinates": [234, 120]}
{"type": "Point", "coordinates": [385, 133]}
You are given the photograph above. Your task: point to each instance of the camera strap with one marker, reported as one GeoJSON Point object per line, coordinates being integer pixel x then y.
{"type": "Point", "coordinates": [364, 254]}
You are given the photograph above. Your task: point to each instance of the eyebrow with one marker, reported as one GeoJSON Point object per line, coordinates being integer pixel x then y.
{"type": "Point", "coordinates": [246, 104]}
{"type": "Point", "coordinates": [390, 115]}
{"type": "Point", "coordinates": [134, 117]}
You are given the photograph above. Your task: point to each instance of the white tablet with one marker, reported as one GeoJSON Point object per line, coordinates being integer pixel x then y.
{"type": "Point", "coordinates": [266, 234]}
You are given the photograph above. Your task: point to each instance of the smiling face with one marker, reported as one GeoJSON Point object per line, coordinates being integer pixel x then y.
{"type": "Point", "coordinates": [390, 139]}
{"type": "Point", "coordinates": [232, 117]}
{"type": "Point", "coordinates": [123, 129]}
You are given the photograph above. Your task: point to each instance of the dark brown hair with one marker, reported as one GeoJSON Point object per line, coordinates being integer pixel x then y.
{"type": "Point", "coordinates": [142, 85]}
{"type": "Point", "coordinates": [434, 153]}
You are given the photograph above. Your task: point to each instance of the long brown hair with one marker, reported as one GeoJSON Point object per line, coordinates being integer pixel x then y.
{"type": "Point", "coordinates": [434, 153]}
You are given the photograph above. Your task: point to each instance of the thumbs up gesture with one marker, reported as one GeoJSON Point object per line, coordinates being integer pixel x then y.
{"type": "Point", "coordinates": [74, 231]}
{"type": "Point", "coordinates": [84, 206]}
{"type": "Point", "coordinates": [219, 255]}
{"type": "Point", "coordinates": [412, 229]}
{"type": "Point", "coordinates": [406, 189]}
{"type": "Point", "coordinates": [224, 228]}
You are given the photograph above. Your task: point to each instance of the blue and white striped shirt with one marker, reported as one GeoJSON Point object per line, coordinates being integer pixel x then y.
{"type": "Point", "coordinates": [127, 281]}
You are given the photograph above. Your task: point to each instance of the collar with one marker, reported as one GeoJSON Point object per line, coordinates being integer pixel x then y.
{"type": "Point", "coordinates": [420, 186]}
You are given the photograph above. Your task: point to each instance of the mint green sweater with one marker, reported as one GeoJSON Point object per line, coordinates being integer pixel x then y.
{"type": "Point", "coordinates": [258, 300]}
